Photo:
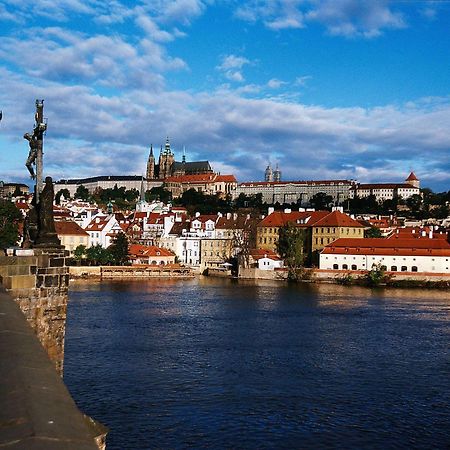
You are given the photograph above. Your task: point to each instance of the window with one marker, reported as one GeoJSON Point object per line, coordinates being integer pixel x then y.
{"type": "Point", "coordinates": [404, 269]}
{"type": "Point", "coordinates": [393, 268]}
{"type": "Point", "coordinates": [354, 267]}
{"type": "Point", "coordinates": [383, 268]}
{"type": "Point", "coordinates": [335, 266]}
{"type": "Point", "coordinates": [345, 266]}
{"type": "Point", "coordinates": [414, 269]}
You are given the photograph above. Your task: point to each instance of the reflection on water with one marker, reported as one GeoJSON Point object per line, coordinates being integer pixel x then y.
{"type": "Point", "coordinates": [220, 364]}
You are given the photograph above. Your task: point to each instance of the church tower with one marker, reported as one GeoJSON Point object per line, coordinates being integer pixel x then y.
{"type": "Point", "coordinates": [268, 174]}
{"type": "Point", "coordinates": [277, 174]}
{"type": "Point", "coordinates": [151, 165]}
{"type": "Point", "coordinates": [413, 180]}
{"type": "Point", "coordinates": [166, 160]}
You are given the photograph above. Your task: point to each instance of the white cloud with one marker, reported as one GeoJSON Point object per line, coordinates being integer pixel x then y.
{"type": "Point", "coordinates": [340, 17]}
{"type": "Point", "coordinates": [231, 67]}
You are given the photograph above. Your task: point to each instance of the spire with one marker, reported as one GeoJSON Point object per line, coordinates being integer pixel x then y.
{"type": "Point", "coordinates": [151, 151]}
{"type": "Point", "coordinates": [184, 154]}
{"type": "Point", "coordinates": [167, 150]}
{"type": "Point", "coordinates": [142, 193]}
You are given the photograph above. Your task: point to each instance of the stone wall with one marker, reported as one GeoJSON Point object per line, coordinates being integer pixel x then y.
{"type": "Point", "coordinates": [38, 281]}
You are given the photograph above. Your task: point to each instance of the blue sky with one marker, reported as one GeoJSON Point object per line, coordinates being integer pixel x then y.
{"type": "Point", "coordinates": [326, 89]}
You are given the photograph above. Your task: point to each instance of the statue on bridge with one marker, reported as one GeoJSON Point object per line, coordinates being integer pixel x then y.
{"type": "Point", "coordinates": [39, 227]}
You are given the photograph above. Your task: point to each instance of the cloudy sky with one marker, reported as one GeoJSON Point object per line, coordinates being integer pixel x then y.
{"type": "Point", "coordinates": [324, 88]}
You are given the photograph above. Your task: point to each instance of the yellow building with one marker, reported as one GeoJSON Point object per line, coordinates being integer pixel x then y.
{"type": "Point", "coordinates": [71, 235]}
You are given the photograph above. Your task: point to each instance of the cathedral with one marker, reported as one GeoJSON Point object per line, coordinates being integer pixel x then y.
{"type": "Point", "coordinates": [168, 167]}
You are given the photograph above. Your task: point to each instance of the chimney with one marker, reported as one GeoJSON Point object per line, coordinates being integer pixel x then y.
{"type": "Point", "coordinates": [197, 214]}
{"type": "Point", "coordinates": [287, 210]}
{"type": "Point", "coordinates": [270, 210]}
{"type": "Point", "coordinates": [430, 235]}
{"type": "Point", "coordinates": [228, 216]}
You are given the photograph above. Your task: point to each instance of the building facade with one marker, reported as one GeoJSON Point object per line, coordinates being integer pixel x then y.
{"type": "Point", "coordinates": [393, 255]}
{"type": "Point", "coordinates": [299, 192]}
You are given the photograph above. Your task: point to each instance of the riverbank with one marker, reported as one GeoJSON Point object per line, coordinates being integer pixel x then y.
{"type": "Point", "coordinates": [357, 278]}
{"type": "Point", "coordinates": [130, 272]}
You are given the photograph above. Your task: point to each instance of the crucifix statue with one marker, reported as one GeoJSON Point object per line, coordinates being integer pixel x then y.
{"type": "Point", "coordinates": [39, 228]}
{"type": "Point", "coordinates": [35, 141]}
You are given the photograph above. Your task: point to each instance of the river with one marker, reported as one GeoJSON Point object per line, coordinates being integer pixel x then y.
{"type": "Point", "coordinates": [216, 363]}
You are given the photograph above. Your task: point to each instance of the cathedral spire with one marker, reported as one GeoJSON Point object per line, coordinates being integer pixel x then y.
{"type": "Point", "coordinates": [184, 154]}
{"type": "Point", "coordinates": [151, 151]}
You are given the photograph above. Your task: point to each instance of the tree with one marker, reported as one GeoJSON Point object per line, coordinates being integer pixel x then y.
{"type": "Point", "coordinates": [82, 193]}
{"type": "Point", "coordinates": [64, 192]}
{"type": "Point", "coordinates": [372, 232]}
{"type": "Point", "coordinates": [291, 246]}
{"type": "Point", "coordinates": [158, 193]}
{"type": "Point", "coordinates": [79, 253]}
{"type": "Point", "coordinates": [17, 191]}
{"type": "Point", "coordinates": [321, 201]}
{"type": "Point", "coordinates": [97, 255]}
{"type": "Point", "coordinates": [414, 204]}
{"type": "Point", "coordinates": [119, 250]}
{"type": "Point", "coordinates": [10, 217]}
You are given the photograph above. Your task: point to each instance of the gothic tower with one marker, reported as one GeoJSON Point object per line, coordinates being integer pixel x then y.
{"type": "Point", "coordinates": [166, 160]}
{"type": "Point", "coordinates": [151, 165]}
{"type": "Point", "coordinates": [277, 174]}
{"type": "Point", "coordinates": [268, 174]}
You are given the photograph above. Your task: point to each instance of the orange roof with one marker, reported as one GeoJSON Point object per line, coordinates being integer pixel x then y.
{"type": "Point", "coordinates": [379, 246]}
{"type": "Point", "coordinates": [226, 178]}
{"type": "Point", "coordinates": [258, 253]}
{"type": "Point", "coordinates": [338, 219]}
{"type": "Point", "coordinates": [199, 178]}
{"type": "Point", "coordinates": [151, 250]}
{"type": "Point", "coordinates": [412, 177]}
{"type": "Point", "coordinates": [68, 227]}
{"type": "Point", "coordinates": [298, 218]}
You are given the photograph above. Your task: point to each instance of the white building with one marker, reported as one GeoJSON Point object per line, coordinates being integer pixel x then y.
{"type": "Point", "coordinates": [295, 191]}
{"type": "Point", "coordinates": [388, 191]}
{"type": "Point", "coordinates": [102, 229]}
{"type": "Point", "coordinates": [395, 255]}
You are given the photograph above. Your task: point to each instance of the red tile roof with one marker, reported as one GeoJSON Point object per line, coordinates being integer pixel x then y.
{"type": "Point", "coordinates": [144, 250]}
{"type": "Point", "coordinates": [226, 178]}
{"type": "Point", "coordinates": [379, 246]}
{"type": "Point", "coordinates": [70, 228]}
{"type": "Point", "coordinates": [412, 177]}
{"type": "Point", "coordinates": [338, 219]}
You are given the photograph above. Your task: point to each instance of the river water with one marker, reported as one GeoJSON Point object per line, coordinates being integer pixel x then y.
{"type": "Point", "coordinates": [215, 363]}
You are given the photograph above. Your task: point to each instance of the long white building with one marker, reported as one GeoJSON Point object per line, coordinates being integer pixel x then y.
{"type": "Point", "coordinates": [396, 255]}
{"type": "Point", "coordinates": [293, 191]}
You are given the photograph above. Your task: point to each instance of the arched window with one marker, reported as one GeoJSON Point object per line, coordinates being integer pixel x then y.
{"type": "Point", "coordinates": [154, 262]}
{"type": "Point", "coordinates": [393, 268]}
{"type": "Point", "coordinates": [335, 266]}
{"type": "Point", "coordinates": [414, 269]}
{"type": "Point", "coordinates": [344, 266]}
{"type": "Point", "coordinates": [383, 268]}
{"type": "Point", "coordinates": [354, 267]}
{"type": "Point", "coordinates": [404, 269]}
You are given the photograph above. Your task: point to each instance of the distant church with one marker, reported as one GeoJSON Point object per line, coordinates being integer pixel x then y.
{"type": "Point", "coordinates": [272, 175]}
{"type": "Point", "coordinates": [168, 167]}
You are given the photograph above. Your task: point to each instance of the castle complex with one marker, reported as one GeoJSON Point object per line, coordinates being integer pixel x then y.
{"type": "Point", "coordinates": [168, 167]}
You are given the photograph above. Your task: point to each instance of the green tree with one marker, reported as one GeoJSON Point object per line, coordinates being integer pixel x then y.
{"type": "Point", "coordinates": [64, 192]}
{"type": "Point", "coordinates": [10, 217]}
{"type": "Point", "coordinates": [321, 201]}
{"type": "Point", "coordinates": [119, 250]}
{"type": "Point", "coordinates": [82, 193]}
{"type": "Point", "coordinates": [414, 204]}
{"type": "Point", "coordinates": [97, 255]}
{"type": "Point", "coordinates": [158, 193]}
{"type": "Point", "coordinates": [79, 253]}
{"type": "Point", "coordinates": [372, 232]}
{"type": "Point", "coordinates": [291, 246]}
